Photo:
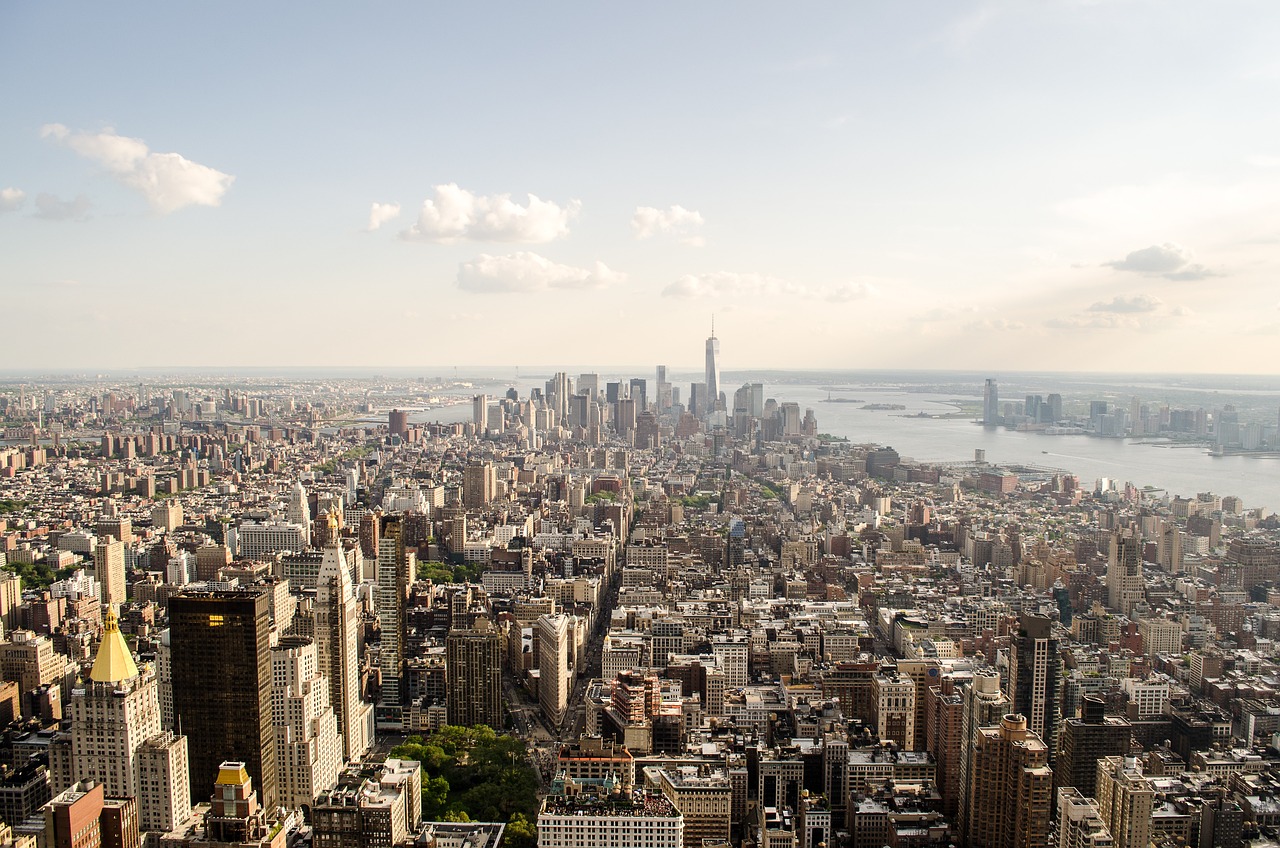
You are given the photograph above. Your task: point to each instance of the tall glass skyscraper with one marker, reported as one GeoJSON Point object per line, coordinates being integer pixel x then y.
{"type": "Point", "coordinates": [713, 371]}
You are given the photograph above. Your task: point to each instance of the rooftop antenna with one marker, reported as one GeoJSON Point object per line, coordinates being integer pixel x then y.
{"type": "Point", "coordinates": [713, 325]}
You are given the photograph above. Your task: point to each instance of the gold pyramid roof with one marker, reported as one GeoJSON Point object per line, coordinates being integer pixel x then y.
{"type": "Point", "coordinates": [114, 662]}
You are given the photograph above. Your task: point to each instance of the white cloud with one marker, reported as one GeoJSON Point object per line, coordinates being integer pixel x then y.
{"type": "Point", "coordinates": [529, 272]}
{"type": "Point", "coordinates": [851, 291]}
{"type": "Point", "coordinates": [1121, 304]}
{"type": "Point", "coordinates": [728, 284]}
{"type": "Point", "coordinates": [1168, 260]}
{"type": "Point", "coordinates": [649, 221]}
{"type": "Point", "coordinates": [167, 180]}
{"type": "Point", "coordinates": [1094, 321]}
{"type": "Point", "coordinates": [995, 325]}
{"type": "Point", "coordinates": [52, 208]}
{"type": "Point", "coordinates": [381, 213]}
{"type": "Point", "coordinates": [12, 198]}
{"type": "Point", "coordinates": [455, 214]}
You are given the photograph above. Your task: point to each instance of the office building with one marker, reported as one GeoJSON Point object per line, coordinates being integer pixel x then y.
{"type": "Point", "coordinates": [991, 404]}
{"type": "Point", "coordinates": [308, 747]}
{"type": "Point", "coordinates": [640, 820]}
{"type": "Point", "coordinates": [894, 698]}
{"type": "Point", "coordinates": [376, 811]}
{"type": "Point", "coordinates": [556, 666]}
{"type": "Point", "coordinates": [1125, 586]}
{"type": "Point", "coordinates": [480, 413]}
{"type": "Point", "coordinates": [220, 644]}
{"type": "Point", "coordinates": [1084, 740]}
{"type": "Point", "coordinates": [112, 714]}
{"type": "Point", "coordinates": [704, 797]}
{"type": "Point", "coordinates": [473, 668]}
{"type": "Point", "coordinates": [337, 623]}
{"type": "Point", "coordinates": [1035, 677]}
{"type": "Point", "coordinates": [712, 374]}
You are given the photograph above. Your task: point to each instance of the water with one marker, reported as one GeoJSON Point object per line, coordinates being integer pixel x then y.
{"type": "Point", "coordinates": [1179, 470]}
{"type": "Point", "coordinates": [1183, 471]}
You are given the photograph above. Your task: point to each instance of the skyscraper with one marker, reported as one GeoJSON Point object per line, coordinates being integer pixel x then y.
{"type": "Point", "coordinates": [113, 714]}
{"type": "Point", "coordinates": [480, 413]}
{"type": "Point", "coordinates": [1011, 797]}
{"type": "Point", "coordinates": [984, 705]}
{"type": "Point", "coordinates": [220, 643]}
{"type": "Point", "coordinates": [337, 634]}
{"type": "Point", "coordinates": [308, 748]}
{"type": "Point", "coordinates": [299, 511]}
{"type": "Point", "coordinates": [1085, 740]}
{"type": "Point", "coordinates": [555, 665]}
{"type": "Point", "coordinates": [395, 573]}
{"type": "Point", "coordinates": [1080, 824]}
{"type": "Point", "coordinates": [1125, 586]}
{"type": "Point", "coordinates": [663, 390]}
{"type": "Point", "coordinates": [990, 403]}
{"type": "Point", "coordinates": [1035, 677]}
{"type": "Point", "coordinates": [108, 570]}
{"type": "Point", "coordinates": [1126, 800]}
{"type": "Point", "coordinates": [712, 378]}
{"type": "Point", "coordinates": [473, 669]}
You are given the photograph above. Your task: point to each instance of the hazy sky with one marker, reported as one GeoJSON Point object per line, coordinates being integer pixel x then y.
{"type": "Point", "coordinates": [1047, 185]}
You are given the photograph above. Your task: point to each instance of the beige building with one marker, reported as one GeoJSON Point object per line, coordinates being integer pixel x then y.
{"type": "Point", "coordinates": [308, 747]}
{"type": "Point", "coordinates": [1126, 800]}
{"type": "Point", "coordinates": [1010, 787]}
{"type": "Point", "coordinates": [893, 696]}
{"type": "Point", "coordinates": [703, 796]}
{"type": "Point", "coordinates": [337, 634]}
{"type": "Point", "coordinates": [556, 667]}
{"type": "Point", "coordinates": [108, 569]}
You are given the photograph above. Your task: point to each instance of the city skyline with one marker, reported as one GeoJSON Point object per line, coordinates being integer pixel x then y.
{"type": "Point", "coordinates": [848, 187]}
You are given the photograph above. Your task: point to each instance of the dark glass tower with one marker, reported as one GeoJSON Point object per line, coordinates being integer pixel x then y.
{"type": "Point", "coordinates": [220, 643]}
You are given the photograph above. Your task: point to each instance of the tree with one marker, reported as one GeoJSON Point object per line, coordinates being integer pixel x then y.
{"type": "Point", "coordinates": [520, 832]}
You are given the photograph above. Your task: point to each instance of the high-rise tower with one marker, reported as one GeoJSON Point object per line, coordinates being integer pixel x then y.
{"type": "Point", "coordinates": [712, 378]}
{"type": "Point", "coordinates": [220, 643]}
{"type": "Point", "coordinates": [308, 748]}
{"type": "Point", "coordinates": [112, 715]}
{"type": "Point", "coordinates": [395, 572]}
{"type": "Point", "coordinates": [991, 404]}
{"type": "Point", "coordinates": [473, 668]}
{"type": "Point", "coordinates": [1035, 678]}
{"type": "Point", "coordinates": [337, 634]}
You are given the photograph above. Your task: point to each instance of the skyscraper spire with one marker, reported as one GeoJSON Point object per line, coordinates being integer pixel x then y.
{"type": "Point", "coordinates": [114, 662]}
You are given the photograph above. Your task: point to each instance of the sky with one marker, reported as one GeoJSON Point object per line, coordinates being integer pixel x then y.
{"type": "Point", "coordinates": [1059, 185]}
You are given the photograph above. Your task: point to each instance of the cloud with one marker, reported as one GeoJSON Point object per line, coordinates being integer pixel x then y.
{"type": "Point", "coordinates": [946, 313]}
{"type": "Point", "coordinates": [455, 214]}
{"type": "Point", "coordinates": [676, 220]}
{"type": "Point", "coordinates": [851, 291]}
{"type": "Point", "coordinates": [1094, 321]}
{"type": "Point", "coordinates": [995, 325]}
{"type": "Point", "coordinates": [1122, 304]}
{"type": "Point", "coordinates": [1167, 260]}
{"type": "Point", "coordinates": [529, 272]}
{"type": "Point", "coordinates": [51, 208]}
{"type": "Point", "coordinates": [728, 284]}
{"type": "Point", "coordinates": [381, 213]}
{"type": "Point", "coordinates": [12, 198]}
{"type": "Point", "coordinates": [168, 181]}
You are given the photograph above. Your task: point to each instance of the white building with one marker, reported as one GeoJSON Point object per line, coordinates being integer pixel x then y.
{"type": "Point", "coordinates": [651, 821]}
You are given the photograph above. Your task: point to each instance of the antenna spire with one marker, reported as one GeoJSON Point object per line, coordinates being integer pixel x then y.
{"type": "Point", "coordinates": [713, 325]}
